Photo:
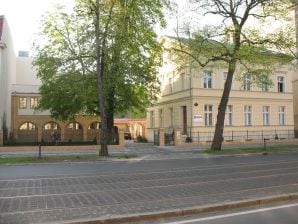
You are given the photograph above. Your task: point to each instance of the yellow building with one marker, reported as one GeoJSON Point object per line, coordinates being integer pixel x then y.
{"type": "Point", "coordinates": [295, 80]}
{"type": "Point", "coordinates": [189, 99]}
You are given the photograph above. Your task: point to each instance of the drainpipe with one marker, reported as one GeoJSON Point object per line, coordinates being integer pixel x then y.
{"type": "Point", "coordinates": [191, 100]}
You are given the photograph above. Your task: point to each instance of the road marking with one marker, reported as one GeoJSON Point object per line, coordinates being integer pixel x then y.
{"type": "Point", "coordinates": [233, 214]}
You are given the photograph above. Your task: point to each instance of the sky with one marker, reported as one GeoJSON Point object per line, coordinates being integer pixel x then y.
{"type": "Point", "coordinates": [24, 18]}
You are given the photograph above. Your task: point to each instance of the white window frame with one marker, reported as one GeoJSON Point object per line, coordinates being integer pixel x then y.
{"type": "Point", "coordinates": [21, 106]}
{"type": "Point", "coordinates": [247, 115]}
{"type": "Point", "coordinates": [281, 81]}
{"type": "Point", "coordinates": [171, 85]}
{"type": "Point", "coordinates": [171, 117]}
{"type": "Point", "coordinates": [266, 115]}
{"type": "Point", "coordinates": [183, 81]}
{"type": "Point", "coordinates": [247, 82]}
{"type": "Point", "coordinates": [208, 115]}
{"type": "Point", "coordinates": [33, 102]}
{"type": "Point", "coordinates": [161, 118]}
{"type": "Point", "coordinates": [152, 119]}
{"type": "Point", "coordinates": [229, 116]}
{"type": "Point", "coordinates": [265, 87]}
{"type": "Point", "coordinates": [282, 115]}
{"type": "Point", "coordinates": [207, 80]}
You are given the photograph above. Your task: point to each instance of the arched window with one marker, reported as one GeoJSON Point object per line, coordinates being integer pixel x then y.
{"type": "Point", "coordinates": [74, 126]}
{"type": "Point", "coordinates": [51, 126]}
{"type": "Point", "coordinates": [94, 125]}
{"type": "Point", "coordinates": [28, 126]}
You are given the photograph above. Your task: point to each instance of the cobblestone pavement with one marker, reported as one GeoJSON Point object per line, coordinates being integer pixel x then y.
{"type": "Point", "coordinates": [114, 189]}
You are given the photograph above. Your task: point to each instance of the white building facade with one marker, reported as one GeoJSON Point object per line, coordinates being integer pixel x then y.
{"type": "Point", "coordinates": [7, 76]}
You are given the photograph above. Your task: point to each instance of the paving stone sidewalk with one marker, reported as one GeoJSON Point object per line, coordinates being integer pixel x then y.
{"type": "Point", "coordinates": [145, 151]}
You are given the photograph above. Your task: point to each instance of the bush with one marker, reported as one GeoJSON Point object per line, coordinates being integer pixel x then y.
{"type": "Point", "coordinates": [68, 143]}
{"type": "Point", "coordinates": [142, 139]}
{"type": "Point", "coordinates": [188, 139]}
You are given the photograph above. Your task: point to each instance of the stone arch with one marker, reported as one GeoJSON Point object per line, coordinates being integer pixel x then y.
{"type": "Point", "coordinates": [93, 131]}
{"type": "Point", "coordinates": [28, 132]}
{"type": "Point", "coordinates": [47, 130]}
{"type": "Point", "coordinates": [74, 131]}
{"type": "Point", "coordinates": [136, 129]}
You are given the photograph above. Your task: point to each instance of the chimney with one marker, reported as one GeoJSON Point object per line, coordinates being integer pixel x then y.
{"type": "Point", "coordinates": [24, 54]}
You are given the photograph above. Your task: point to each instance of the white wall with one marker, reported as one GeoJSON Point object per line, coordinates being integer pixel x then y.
{"type": "Point", "coordinates": [25, 72]}
{"type": "Point", "coordinates": [7, 74]}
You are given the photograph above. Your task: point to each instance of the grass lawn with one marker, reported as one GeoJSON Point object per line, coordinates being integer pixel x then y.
{"type": "Point", "coordinates": [63, 158]}
{"type": "Point", "coordinates": [233, 151]}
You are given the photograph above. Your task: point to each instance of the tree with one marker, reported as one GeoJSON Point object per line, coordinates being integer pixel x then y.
{"type": "Point", "coordinates": [237, 44]}
{"type": "Point", "coordinates": [99, 59]}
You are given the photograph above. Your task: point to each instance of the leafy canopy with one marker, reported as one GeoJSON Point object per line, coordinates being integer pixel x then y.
{"type": "Point", "coordinates": [257, 34]}
{"type": "Point", "coordinates": [66, 57]}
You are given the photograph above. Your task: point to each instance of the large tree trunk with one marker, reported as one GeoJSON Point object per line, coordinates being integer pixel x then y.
{"type": "Point", "coordinates": [220, 122]}
{"type": "Point", "coordinates": [100, 86]}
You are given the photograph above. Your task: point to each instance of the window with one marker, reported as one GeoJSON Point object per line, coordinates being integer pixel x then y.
{"type": "Point", "coordinates": [208, 115]}
{"type": "Point", "coordinates": [51, 126]}
{"type": "Point", "coordinates": [265, 87]}
{"type": "Point", "coordinates": [171, 85]}
{"type": "Point", "coordinates": [247, 82]}
{"type": "Point", "coordinates": [280, 84]}
{"type": "Point", "coordinates": [225, 75]}
{"type": "Point", "coordinates": [266, 115]}
{"type": "Point", "coordinates": [184, 120]}
{"type": "Point", "coordinates": [23, 103]}
{"type": "Point", "coordinates": [281, 115]}
{"type": "Point", "coordinates": [33, 102]}
{"type": "Point", "coordinates": [182, 76]}
{"type": "Point", "coordinates": [171, 120]}
{"type": "Point", "coordinates": [247, 115]}
{"type": "Point", "coordinates": [152, 119]}
{"type": "Point", "coordinates": [229, 115]}
{"type": "Point", "coordinates": [94, 126]}
{"type": "Point", "coordinates": [74, 126]}
{"type": "Point", "coordinates": [207, 80]}
{"type": "Point", "coordinates": [28, 126]}
{"type": "Point", "coordinates": [160, 118]}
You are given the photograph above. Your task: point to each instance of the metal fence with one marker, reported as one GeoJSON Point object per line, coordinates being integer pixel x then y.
{"type": "Point", "coordinates": [70, 137]}
{"type": "Point", "coordinates": [239, 135]}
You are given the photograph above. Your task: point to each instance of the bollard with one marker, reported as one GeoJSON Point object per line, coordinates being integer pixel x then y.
{"type": "Point", "coordinates": [265, 146]}
{"type": "Point", "coordinates": [39, 151]}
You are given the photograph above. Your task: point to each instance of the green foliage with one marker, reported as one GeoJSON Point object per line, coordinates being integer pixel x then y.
{"type": "Point", "coordinates": [66, 57]}
{"type": "Point", "coordinates": [240, 44]}
{"type": "Point", "coordinates": [256, 51]}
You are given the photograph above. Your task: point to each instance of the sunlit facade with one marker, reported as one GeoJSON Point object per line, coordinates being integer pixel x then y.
{"type": "Point", "coordinates": [190, 97]}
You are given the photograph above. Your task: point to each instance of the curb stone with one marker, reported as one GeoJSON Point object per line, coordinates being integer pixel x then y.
{"type": "Point", "coordinates": [188, 211]}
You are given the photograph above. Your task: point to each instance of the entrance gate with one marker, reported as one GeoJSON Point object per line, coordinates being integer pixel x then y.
{"type": "Point", "coordinates": [169, 138]}
{"type": "Point", "coordinates": [156, 137]}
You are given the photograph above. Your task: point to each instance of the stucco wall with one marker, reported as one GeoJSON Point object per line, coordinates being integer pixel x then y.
{"type": "Point", "coordinates": [7, 74]}
{"type": "Point", "coordinates": [25, 72]}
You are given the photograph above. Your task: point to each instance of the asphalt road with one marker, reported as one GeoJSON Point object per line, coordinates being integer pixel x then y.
{"type": "Point", "coordinates": [69, 191]}
{"type": "Point", "coordinates": [286, 214]}
{"type": "Point", "coordinates": [138, 165]}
